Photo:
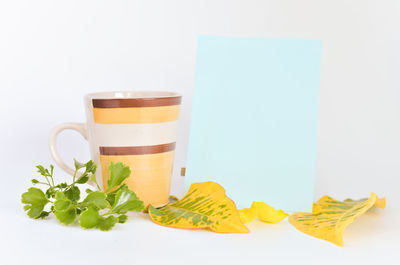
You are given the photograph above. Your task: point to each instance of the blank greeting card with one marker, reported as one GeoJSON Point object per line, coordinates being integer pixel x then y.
{"type": "Point", "coordinates": [254, 119]}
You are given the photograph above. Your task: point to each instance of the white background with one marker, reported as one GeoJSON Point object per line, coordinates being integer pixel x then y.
{"type": "Point", "coordinates": [54, 52]}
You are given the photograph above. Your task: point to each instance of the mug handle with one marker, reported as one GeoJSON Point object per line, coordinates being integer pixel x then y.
{"type": "Point", "coordinates": [79, 127]}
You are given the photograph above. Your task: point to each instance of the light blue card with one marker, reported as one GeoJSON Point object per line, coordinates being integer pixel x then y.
{"type": "Point", "coordinates": [254, 119]}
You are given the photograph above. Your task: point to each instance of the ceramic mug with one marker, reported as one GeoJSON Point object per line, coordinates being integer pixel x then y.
{"type": "Point", "coordinates": [137, 128]}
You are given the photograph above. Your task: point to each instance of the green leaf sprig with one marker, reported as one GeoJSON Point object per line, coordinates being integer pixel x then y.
{"type": "Point", "coordinates": [99, 209]}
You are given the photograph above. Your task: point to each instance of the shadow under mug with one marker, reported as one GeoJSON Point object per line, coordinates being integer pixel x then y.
{"type": "Point", "coordinates": [137, 128]}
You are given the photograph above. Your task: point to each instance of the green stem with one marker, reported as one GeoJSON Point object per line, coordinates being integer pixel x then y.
{"type": "Point", "coordinates": [93, 178]}
{"type": "Point", "coordinates": [73, 181]}
{"type": "Point", "coordinates": [74, 176]}
{"type": "Point", "coordinates": [107, 213]}
{"type": "Point", "coordinates": [47, 181]}
{"type": "Point", "coordinates": [70, 185]}
{"type": "Point", "coordinates": [44, 183]}
{"type": "Point", "coordinates": [51, 175]}
{"type": "Point", "coordinates": [52, 180]}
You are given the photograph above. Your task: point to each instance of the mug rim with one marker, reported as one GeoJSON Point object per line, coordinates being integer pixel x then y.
{"type": "Point", "coordinates": [133, 99]}
{"type": "Point", "coordinates": [130, 94]}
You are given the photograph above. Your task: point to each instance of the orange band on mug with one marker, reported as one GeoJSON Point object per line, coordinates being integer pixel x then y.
{"type": "Point", "coordinates": [136, 115]}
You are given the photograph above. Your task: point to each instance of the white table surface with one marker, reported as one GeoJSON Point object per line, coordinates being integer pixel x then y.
{"type": "Point", "coordinates": [371, 239]}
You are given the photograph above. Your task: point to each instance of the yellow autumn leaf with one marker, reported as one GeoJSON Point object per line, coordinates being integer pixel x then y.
{"type": "Point", "coordinates": [263, 211]}
{"type": "Point", "coordinates": [330, 217]}
{"type": "Point", "coordinates": [205, 205]}
{"type": "Point", "coordinates": [172, 199]}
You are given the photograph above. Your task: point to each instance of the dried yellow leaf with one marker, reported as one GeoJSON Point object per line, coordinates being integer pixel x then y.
{"type": "Point", "coordinates": [330, 217]}
{"type": "Point", "coordinates": [263, 211]}
{"type": "Point", "coordinates": [205, 205]}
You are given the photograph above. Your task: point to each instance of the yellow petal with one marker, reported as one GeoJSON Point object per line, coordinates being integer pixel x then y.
{"type": "Point", "coordinates": [263, 211]}
{"type": "Point", "coordinates": [205, 205]}
{"type": "Point", "coordinates": [381, 203]}
{"type": "Point", "coordinates": [330, 217]}
{"type": "Point", "coordinates": [248, 214]}
{"type": "Point", "coordinates": [269, 214]}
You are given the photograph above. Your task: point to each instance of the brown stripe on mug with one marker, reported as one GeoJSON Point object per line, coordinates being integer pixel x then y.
{"type": "Point", "coordinates": [136, 150]}
{"type": "Point", "coordinates": [136, 102]}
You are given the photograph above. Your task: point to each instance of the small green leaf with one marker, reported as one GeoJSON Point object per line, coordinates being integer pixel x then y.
{"type": "Point", "coordinates": [107, 223]}
{"type": "Point", "coordinates": [60, 196]}
{"type": "Point", "coordinates": [122, 218]}
{"type": "Point", "coordinates": [83, 179]}
{"type": "Point", "coordinates": [78, 165]}
{"type": "Point", "coordinates": [88, 190]}
{"type": "Point", "coordinates": [43, 214]}
{"type": "Point", "coordinates": [64, 209]}
{"type": "Point", "coordinates": [66, 217]}
{"type": "Point", "coordinates": [34, 181]}
{"type": "Point", "coordinates": [111, 195]}
{"type": "Point", "coordinates": [50, 193]}
{"type": "Point", "coordinates": [90, 218]}
{"type": "Point", "coordinates": [73, 193]}
{"type": "Point", "coordinates": [118, 173]}
{"type": "Point", "coordinates": [93, 178]}
{"type": "Point", "coordinates": [35, 201]}
{"type": "Point", "coordinates": [97, 199]}
{"type": "Point", "coordinates": [126, 200]}
{"type": "Point", "coordinates": [62, 185]}
{"type": "Point", "coordinates": [43, 171]}
{"type": "Point", "coordinates": [91, 167]}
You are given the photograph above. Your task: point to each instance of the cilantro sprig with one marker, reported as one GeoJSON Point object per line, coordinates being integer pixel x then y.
{"type": "Point", "coordinates": [98, 209]}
